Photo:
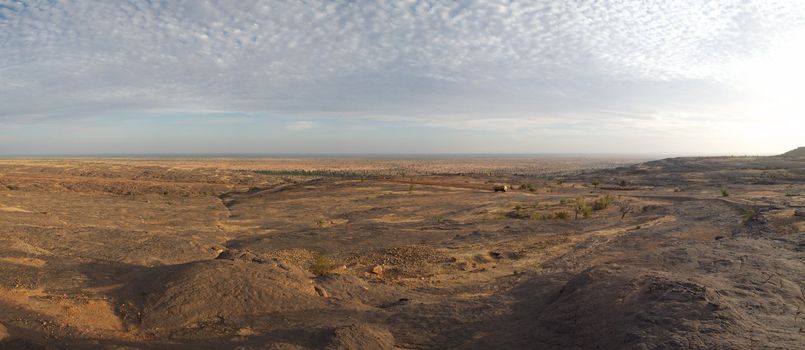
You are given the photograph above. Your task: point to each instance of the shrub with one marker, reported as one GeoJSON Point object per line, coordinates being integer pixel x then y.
{"type": "Point", "coordinates": [724, 192]}
{"type": "Point", "coordinates": [595, 183]}
{"type": "Point", "coordinates": [561, 215]}
{"type": "Point", "coordinates": [581, 207]}
{"type": "Point", "coordinates": [623, 183]}
{"type": "Point", "coordinates": [321, 266]}
{"type": "Point", "coordinates": [748, 215]}
{"type": "Point", "coordinates": [602, 202]}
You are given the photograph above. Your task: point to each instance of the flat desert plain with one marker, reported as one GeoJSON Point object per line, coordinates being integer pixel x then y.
{"type": "Point", "coordinates": [682, 253]}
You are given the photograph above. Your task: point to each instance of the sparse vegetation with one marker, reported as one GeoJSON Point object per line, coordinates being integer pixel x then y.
{"type": "Point", "coordinates": [322, 266]}
{"type": "Point", "coordinates": [747, 215]}
{"type": "Point", "coordinates": [440, 218]}
{"type": "Point", "coordinates": [320, 173]}
{"type": "Point", "coordinates": [580, 207]}
{"type": "Point", "coordinates": [561, 215]}
{"type": "Point", "coordinates": [724, 192]}
{"type": "Point", "coordinates": [595, 183]}
{"type": "Point", "coordinates": [602, 203]}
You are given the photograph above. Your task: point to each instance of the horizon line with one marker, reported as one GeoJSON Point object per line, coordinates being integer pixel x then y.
{"type": "Point", "coordinates": [368, 155]}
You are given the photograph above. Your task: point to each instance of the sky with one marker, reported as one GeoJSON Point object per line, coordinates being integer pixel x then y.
{"type": "Point", "coordinates": [403, 76]}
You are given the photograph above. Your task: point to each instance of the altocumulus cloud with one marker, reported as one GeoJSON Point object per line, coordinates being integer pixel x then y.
{"type": "Point", "coordinates": [573, 66]}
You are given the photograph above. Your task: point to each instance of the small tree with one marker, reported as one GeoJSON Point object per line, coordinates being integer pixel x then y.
{"type": "Point", "coordinates": [625, 207]}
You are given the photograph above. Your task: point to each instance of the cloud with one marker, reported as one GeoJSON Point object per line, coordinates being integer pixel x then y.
{"type": "Point", "coordinates": [441, 62]}
{"type": "Point", "coordinates": [300, 125]}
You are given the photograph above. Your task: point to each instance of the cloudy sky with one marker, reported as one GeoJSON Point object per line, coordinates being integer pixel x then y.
{"type": "Point", "coordinates": [417, 76]}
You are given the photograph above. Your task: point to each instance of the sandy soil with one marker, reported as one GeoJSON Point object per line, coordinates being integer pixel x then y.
{"type": "Point", "coordinates": [402, 253]}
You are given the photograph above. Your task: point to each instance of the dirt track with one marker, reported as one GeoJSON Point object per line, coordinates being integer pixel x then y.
{"type": "Point", "coordinates": [170, 254]}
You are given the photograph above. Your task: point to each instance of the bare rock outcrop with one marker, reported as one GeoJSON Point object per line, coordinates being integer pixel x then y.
{"type": "Point", "coordinates": [361, 336]}
{"type": "Point", "coordinates": [220, 290]}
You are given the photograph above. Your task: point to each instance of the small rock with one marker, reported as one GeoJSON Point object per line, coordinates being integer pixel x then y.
{"type": "Point", "coordinates": [245, 332]}
{"type": "Point", "coordinates": [377, 270]}
{"type": "Point", "coordinates": [4, 333]}
{"type": "Point", "coordinates": [799, 212]}
{"type": "Point", "coordinates": [465, 266]}
{"type": "Point", "coordinates": [321, 292]}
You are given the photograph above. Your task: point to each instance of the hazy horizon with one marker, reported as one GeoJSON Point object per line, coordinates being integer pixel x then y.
{"type": "Point", "coordinates": [398, 155]}
{"type": "Point", "coordinates": [401, 77]}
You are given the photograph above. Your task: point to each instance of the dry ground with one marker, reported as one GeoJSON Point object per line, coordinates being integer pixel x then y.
{"type": "Point", "coordinates": [210, 254]}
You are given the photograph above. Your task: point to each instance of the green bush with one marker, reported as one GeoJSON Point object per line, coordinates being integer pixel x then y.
{"type": "Point", "coordinates": [580, 207]}
{"type": "Point", "coordinates": [321, 266]}
{"type": "Point", "coordinates": [602, 203]}
{"type": "Point", "coordinates": [538, 216]}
